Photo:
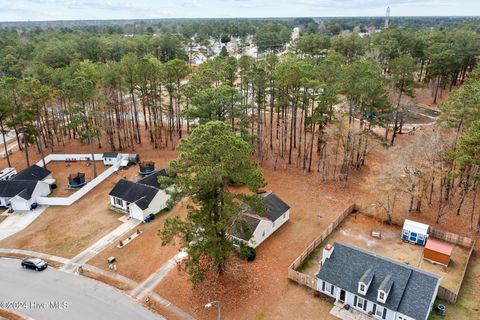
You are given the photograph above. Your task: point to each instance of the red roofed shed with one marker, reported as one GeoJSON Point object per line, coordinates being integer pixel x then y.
{"type": "Point", "coordinates": [437, 251]}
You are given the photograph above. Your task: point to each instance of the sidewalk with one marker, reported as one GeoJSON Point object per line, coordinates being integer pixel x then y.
{"type": "Point", "coordinates": [154, 279]}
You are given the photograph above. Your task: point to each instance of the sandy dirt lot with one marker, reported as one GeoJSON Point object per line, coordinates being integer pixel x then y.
{"type": "Point", "coordinates": [355, 230]}
{"type": "Point", "coordinates": [263, 292]}
{"type": "Point", "coordinates": [61, 170]}
{"type": "Point", "coordinates": [145, 254]}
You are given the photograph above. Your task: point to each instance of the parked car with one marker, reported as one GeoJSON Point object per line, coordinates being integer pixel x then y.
{"type": "Point", "coordinates": [149, 218]}
{"type": "Point", "coordinates": [34, 263]}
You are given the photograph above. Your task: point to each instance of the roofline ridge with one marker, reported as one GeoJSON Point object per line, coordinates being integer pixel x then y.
{"type": "Point", "coordinates": [388, 259]}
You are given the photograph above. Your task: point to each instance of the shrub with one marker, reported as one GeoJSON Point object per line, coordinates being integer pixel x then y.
{"type": "Point", "coordinates": [246, 253]}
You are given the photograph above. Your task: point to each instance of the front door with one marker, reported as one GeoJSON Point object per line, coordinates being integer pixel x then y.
{"type": "Point", "coordinates": [342, 295]}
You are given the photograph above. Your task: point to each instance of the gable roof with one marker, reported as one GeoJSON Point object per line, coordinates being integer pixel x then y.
{"type": "Point", "coordinates": [132, 192]}
{"type": "Point", "coordinates": [239, 228]}
{"type": "Point", "coordinates": [411, 290]}
{"type": "Point", "coordinates": [152, 179]}
{"type": "Point", "coordinates": [275, 206]}
{"type": "Point", "coordinates": [33, 172]}
{"type": "Point", "coordinates": [22, 188]}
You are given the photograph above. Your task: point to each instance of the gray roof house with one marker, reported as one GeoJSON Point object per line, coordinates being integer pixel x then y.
{"type": "Point", "coordinates": [141, 198]}
{"type": "Point", "coordinates": [21, 191]}
{"type": "Point", "coordinates": [253, 229]}
{"type": "Point", "coordinates": [384, 288]}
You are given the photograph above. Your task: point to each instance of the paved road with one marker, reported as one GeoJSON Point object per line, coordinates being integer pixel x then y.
{"type": "Point", "coordinates": [84, 298]}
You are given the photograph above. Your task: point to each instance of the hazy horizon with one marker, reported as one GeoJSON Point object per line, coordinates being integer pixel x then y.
{"type": "Point", "coordinates": [68, 10]}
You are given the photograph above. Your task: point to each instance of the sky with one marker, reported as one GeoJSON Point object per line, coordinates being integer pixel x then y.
{"type": "Point", "coordinates": [36, 10]}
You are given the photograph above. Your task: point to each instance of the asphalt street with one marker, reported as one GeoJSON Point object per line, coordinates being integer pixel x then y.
{"type": "Point", "coordinates": [52, 294]}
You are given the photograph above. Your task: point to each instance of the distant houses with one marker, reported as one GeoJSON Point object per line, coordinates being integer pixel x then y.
{"type": "Point", "coordinates": [375, 285]}
{"type": "Point", "coordinates": [140, 199]}
{"type": "Point", "coordinates": [260, 227]}
{"type": "Point", "coordinates": [21, 191]}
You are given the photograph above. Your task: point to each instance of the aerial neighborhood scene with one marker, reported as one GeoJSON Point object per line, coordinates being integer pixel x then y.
{"type": "Point", "coordinates": [240, 159]}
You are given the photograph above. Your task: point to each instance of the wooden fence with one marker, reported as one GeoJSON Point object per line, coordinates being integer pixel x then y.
{"type": "Point", "coordinates": [305, 279]}
{"type": "Point", "coordinates": [452, 238]}
{"type": "Point", "coordinates": [311, 281]}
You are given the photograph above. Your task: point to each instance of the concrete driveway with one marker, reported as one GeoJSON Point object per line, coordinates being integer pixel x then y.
{"type": "Point", "coordinates": [53, 294]}
{"type": "Point", "coordinates": [18, 221]}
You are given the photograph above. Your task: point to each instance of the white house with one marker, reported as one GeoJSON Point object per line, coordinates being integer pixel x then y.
{"type": "Point", "coordinates": [21, 191]}
{"type": "Point", "coordinates": [260, 227]}
{"type": "Point", "coordinates": [375, 285]}
{"type": "Point", "coordinates": [415, 232]}
{"type": "Point", "coordinates": [141, 198]}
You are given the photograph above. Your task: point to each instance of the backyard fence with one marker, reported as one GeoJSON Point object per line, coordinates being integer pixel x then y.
{"type": "Point", "coordinates": [311, 281]}
{"type": "Point", "coordinates": [444, 293]}
{"type": "Point", "coordinates": [452, 238]}
{"type": "Point", "coordinates": [305, 279]}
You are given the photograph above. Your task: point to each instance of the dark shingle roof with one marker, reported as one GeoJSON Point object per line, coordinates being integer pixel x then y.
{"type": "Point", "coordinates": [32, 173]}
{"type": "Point", "coordinates": [110, 155]}
{"type": "Point", "coordinates": [22, 188]}
{"type": "Point", "coordinates": [367, 276]}
{"type": "Point", "coordinates": [246, 226]}
{"type": "Point", "coordinates": [130, 191]}
{"type": "Point", "coordinates": [152, 179]}
{"type": "Point", "coordinates": [275, 206]}
{"type": "Point", "coordinates": [411, 292]}
{"type": "Point", "coordinates": [386, 284]}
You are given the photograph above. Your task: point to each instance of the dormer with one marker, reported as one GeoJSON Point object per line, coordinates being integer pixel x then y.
{"type": "Point", "coordinates": [384, 289]}
{"type": "Point", "coordinates": [365, 281]}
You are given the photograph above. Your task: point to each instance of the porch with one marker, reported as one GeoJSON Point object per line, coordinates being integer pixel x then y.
{"type": "Point", "coordinates": [340, 312]}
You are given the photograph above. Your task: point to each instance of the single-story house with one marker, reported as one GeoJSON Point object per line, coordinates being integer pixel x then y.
{"type": "Point", "coordinates": [20, 194]}
{"type": "Point", "coordinates": [375, 285]}
{"type": "Point", "coordinates": [110, 158]}
{"type": "Point", "coordinates": [152, 179]}
{"type": "Point", "coordinates": [137, 199]}
{"type": "Point", "coordinates": [415, 232]}
{"type": "Point", "coordinates": [437, 251]}
{"type": "Point", "coordinates": [22, 190]}
{"type": "Point", "coordinates": [260, 227]}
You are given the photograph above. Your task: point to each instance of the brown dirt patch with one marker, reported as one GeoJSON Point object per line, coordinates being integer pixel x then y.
{"type": "Point", "coordinates": [268, 294]}
{"type": "Point", "coordinates": [61, 170]}
{"type": "Point", "coordinates": [145, 254]}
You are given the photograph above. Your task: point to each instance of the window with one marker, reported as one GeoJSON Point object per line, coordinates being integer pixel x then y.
{"type": "Point", "coordinates": [323, 285]}
{"type": "Point", "coordinates": [361, 303]}
{"type": "Point", "coordinates": [331, 289]}
{"type": "Point", "coordinates": [118, 202]}
{"type": "Point", "coordinates": [362, 287]}
{"type": "Point", "coordinates": [379, 311]}
{"type": "Point", "coordinates": [381, 295]}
